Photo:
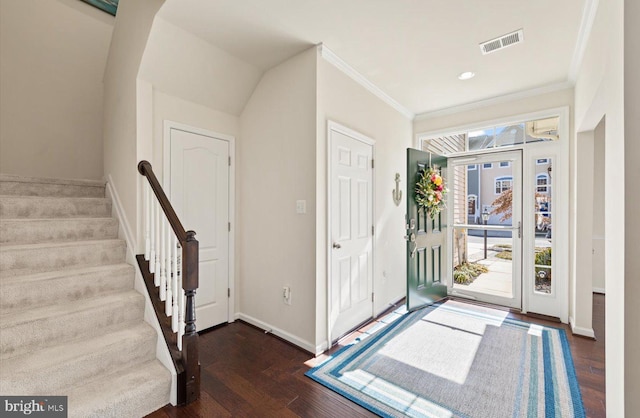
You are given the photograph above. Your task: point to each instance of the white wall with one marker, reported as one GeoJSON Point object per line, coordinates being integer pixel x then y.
{"type": "Point", "coordinates": [277, 166]}
{"type": "Point", "coordinates": [598, 207]}
{"type": "Point", "coordinates": [632, 207]}
{"type": "Point", "coordinates": [342, 100]}
{"type": "Point", "coordinates": [183, 65]}
{"type": "Point", "coordinates": [599, 92]}
{"type": "Point", "coordinates": [53, 55]}
{"type": "Point", "coordinates": [131, 31]}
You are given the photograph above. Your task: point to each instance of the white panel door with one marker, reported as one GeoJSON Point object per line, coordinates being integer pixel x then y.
{"type": "Point", "coordinates": [200, 195]}
{"type": "Point", "coordinates": [351, 240]}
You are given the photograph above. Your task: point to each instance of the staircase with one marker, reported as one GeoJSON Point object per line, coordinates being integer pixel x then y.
{"type": "Point", "coordinates": [70, 321]}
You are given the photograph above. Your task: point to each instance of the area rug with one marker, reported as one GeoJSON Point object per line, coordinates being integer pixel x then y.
{"type": "Point", "coordinates": [457, 360]}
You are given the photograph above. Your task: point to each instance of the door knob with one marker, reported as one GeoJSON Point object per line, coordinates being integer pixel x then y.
{"type": "Point", "coordinates": [336, 245]}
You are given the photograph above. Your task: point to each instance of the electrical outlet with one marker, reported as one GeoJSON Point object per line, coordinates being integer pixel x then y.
{"type": "Point", "coordinates": [286, 295]}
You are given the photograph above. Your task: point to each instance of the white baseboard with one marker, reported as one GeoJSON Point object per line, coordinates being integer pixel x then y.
{"type": "Point", "coordinates": [124, 232]}
{"type": "Point", "coordinates": [306, 345]}
{"type": "Point", "coordinates": [598, 290]}
{"type": "Point", "coordinates": [585, 332]}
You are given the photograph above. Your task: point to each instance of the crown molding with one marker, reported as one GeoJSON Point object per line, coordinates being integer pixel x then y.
{"type": "Point", "coordinates": [340, 64]}
{"type": "Point", "coordinates": [586, 25]}
{"type": "Point", "coordinates": [550, 88]}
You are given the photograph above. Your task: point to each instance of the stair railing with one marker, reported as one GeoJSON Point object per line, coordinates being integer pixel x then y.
{"type": "Point", "coordinates": [169, 266]}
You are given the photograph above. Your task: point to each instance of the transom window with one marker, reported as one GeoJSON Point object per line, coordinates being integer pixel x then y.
{"type": "Point", "coordinates": [505, 163]}
{"type": "Point", "coordinates": [494, 137]}
{"type": "Point", "coordinates": [503, 184]}
{"type": "Point", "coordinates": [487, 165]}
{"type": "Point", "coordinates": [472, 167]}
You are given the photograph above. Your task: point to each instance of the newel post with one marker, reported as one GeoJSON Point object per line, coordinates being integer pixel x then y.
{"type": "Point", "coordinates": [190, 337]}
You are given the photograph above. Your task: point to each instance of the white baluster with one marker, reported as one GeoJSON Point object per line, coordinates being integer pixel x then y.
{"type": "Point", "coordinates": [163, 250]}
{"type": "Point", "coordinates": [174, 283]}
{"type": "Point", "coordinates": [152, 254]}
{"type": "Point", "coordinates": [167, 262]}
{"type": "Point", "coordinates": [156, 278]}
{"type": "Point", "coordinates": [181, 301]}
{"type": "Point", "coordinates": [147, 221]}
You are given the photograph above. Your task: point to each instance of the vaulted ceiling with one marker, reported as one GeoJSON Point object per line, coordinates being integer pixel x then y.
{"type": "Point", "coordinates": [412, 50]}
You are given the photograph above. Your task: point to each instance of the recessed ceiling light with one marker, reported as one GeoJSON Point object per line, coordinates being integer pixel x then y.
{"type": "Point", "coordinates": [467, 75]}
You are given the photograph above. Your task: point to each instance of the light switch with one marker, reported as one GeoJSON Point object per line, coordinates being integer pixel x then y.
{"type": "Point", "coordinates": [301, 206]}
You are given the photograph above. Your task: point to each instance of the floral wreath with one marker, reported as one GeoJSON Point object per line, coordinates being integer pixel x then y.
{"type": "Point", "coordinates": [431, 192]}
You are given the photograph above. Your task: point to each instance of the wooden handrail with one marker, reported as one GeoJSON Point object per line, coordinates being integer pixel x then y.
{"type": "Point", "coordinates": [186, 360]}
{"type": "Point", "coordinates": [144, 168]}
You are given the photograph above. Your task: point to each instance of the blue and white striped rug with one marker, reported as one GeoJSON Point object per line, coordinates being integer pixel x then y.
{"type": "Point", "coordinates": [457, 360]}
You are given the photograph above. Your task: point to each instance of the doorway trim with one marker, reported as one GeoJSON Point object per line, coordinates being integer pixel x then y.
{"type": "Point", "coordinates": [564, 233]}
{"type": "Point", "coordinates": [168, 126]}
{"type": "Point", "coordinates": [336, 127]}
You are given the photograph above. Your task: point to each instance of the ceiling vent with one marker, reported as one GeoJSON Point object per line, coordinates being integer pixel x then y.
{"type": "Point", "coordinates": [502, 42]}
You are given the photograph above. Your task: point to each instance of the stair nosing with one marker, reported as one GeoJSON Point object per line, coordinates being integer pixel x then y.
{"type": "Point", "coordinates": [65, 219]}
{"type": "Point", "coordinates": [86, 344]}
{"type": "Point", "coordinates": [57, 274]}
{"type": "Point", "coordinates": [59, 244]}
{"type": "Point", "coordinates": [32, 197]}
{"type": "Point", "coordinates": [18, 318]}
{"type": "Point", "coordinates": [99, 391]}
{"type": "Point", "coordinates": [44, 180]}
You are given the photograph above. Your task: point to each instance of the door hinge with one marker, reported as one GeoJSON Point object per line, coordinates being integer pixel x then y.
{"type": "Point", "coordinates": [228, 292]}
{"type": "Point", "coordinates": [373, 230]}
{"type": "Point", "coordinates": [371, 297]}
{"type": "Point", "coordinates": [229, 226]}
{"type": "Point", "coordinates": [229, 161]}
{"type": "Point", "coordinates": [372, 163]}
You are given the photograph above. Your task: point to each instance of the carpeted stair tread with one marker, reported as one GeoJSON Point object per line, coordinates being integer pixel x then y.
{"type": "Point", "coordinates": [34, 329]}
{"type": "Point", "coordinates": [34, 258]}
{"type": "Point", "coordinates": [36, 186]}
{"type": "Point", "coordinates": [70, 321]}
{"type": "Point", "coordinates": [33, 231]}
{"type": "Point", "coordinates": [134, 394]}
{"type": "Point", "coordinates": [52, 370]}
{"type": "Point", "coordinates": [14, 207]}
{"type": "Point", "coordinates": [62, 286]}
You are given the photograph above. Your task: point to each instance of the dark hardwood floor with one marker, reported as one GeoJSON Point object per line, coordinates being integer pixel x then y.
{"type": "Point", "coordinates": [247, 373]}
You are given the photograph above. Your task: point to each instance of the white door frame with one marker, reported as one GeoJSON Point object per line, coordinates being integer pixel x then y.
{"type": "Point", "coordinates": [336, 127]}
{"type": "Point", "coordinates": [166, 184]}
{"type": "Point", "coordinates": [563, 256]}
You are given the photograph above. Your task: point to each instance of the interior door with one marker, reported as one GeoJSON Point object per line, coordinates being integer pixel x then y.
{"type": "Point", "coordinates": [199, 192]}
{"type": "Point", "coordinates": [426, 238]}
{"type": "Point", "coordinates": [487, 244]}
{"type": "Point", "coordinates": [351, 233]}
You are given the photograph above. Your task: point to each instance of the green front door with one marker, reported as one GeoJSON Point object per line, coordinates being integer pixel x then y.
{"type": "Point", "coordinates": [426, 238]}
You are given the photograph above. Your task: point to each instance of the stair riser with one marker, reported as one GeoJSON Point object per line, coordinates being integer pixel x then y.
{"type": "Point", "coordinates": [32, 232]}
{"type": "Point", "coordinates": [17, 188]}
{"type": "Point", "coordinates": [16, 207]}
{"type": "Point", "coordinates": [118, 355]}
{"type": "Point", "coordinates": [27, 261]}
{"type": "Point", "coordinates": [46, 332]}
{"type": "Point", "coordinates": [25, 295]}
